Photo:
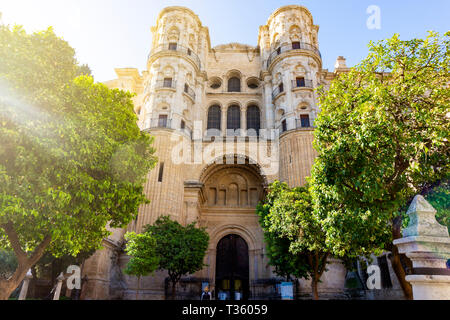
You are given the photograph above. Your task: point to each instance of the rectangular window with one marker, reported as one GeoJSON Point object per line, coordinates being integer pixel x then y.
{"type": "Point", "coordinates": [167, 83]}
{"type": "Point", "coordinates": [278, 51]}
{"type": "Point", "coordinates": [161, 172]}
{"type": "Point", "coordinates": [300, 82]}
{"type": "Point", "coordinates": [189, 52]}
{"type": "Point", "coordinates": [305, 121]}
{"type": "Point", "coordinates": [162, 121]}
{"type": "Point", "coordinates": [284, 125]}
{"type": "Point", "coordinates": [296, 45]}
{"type": "Point", "coordinates": [183, 125]}
{"type": "Point", "coordinates": [173, 46]}
{"type": "Point", "coordinates": [281, 87]}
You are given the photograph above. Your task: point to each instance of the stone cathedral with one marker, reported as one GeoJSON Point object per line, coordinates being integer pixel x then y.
{"type": "Point", "coordinates": [227, 121]}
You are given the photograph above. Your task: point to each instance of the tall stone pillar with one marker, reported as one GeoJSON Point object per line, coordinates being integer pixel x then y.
{"type": "Point", "coordinates": [427, 244]}
{"type": "Point", "coordinates": [223, 124]}
{"type": "Point", "coordinates": [243, 131]}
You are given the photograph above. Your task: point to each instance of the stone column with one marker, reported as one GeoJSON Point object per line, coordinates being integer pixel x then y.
{"type": "Point", "coordinates": [243, 131]}
{"type": "Point", "coordinates": [224, 121]}
{"type": "Point", "coordinates": [26, 282]}
{"type": "Point", "coordinates": [427, 244]}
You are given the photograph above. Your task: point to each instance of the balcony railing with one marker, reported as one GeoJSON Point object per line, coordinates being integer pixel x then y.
{"type": "Point", "coordinates": [302, 83]}
{"type": "Point", "coordinates": [303, 123]}
{"type": "Point", "coordinates": [290, 47]}
{"type": "Point", "coordinates": [277, 91]}
{"type": "Point", "coordinates": [159, 123]}
{"type": "Point", "coordinates": [178, 48]}
{"type": "Point", "coordinates": [164, 123]}
{"type": "Point", "coordinates": [188, 90]}
{"type": "Point", "coordinates": [299, 124]}
{"type": "Point", "coordinates": [161, 84]}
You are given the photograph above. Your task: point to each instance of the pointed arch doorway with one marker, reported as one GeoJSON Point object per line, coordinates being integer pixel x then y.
{"type": "Point", "coordinates": [232, 268]}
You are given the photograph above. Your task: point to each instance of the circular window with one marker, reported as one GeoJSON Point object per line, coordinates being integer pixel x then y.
{"type": "Point", "coordinates": [215, 83]}
{"type": "Point", "coordinates": [253, 83]}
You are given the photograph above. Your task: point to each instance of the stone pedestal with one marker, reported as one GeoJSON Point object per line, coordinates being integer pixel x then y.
{"type": "Point", "coordinates": [427, 244]}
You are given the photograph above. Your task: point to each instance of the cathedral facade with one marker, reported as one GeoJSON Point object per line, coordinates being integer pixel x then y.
{"type": "Point", "coordinates": [227, 121]}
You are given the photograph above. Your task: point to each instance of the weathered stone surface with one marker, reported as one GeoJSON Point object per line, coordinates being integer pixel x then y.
{"type": "Point", "coordinates": [423, 220]}
{"type": "Point", "coordinates": [427, 244]}
{"type": "Point", "coordinates": [185, 77]}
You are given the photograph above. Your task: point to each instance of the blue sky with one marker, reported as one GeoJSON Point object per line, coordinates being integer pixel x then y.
{"type": "Point", "coordinates": [116, 33]}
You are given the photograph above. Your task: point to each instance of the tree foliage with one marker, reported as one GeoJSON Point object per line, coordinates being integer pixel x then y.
{"type": "Point", "coordinates": [142, 250]}
{"type": "Point", "coordinates": [286, 264]}
{"type": "Point", "coordinates": [8, 263]}
{"type": "Point", "coordinates": [439, 198]}
{"type": "Point", "coordinates": [144, 257]}
{"type": "Point", "coordinates": [382, 135]}
{"type": "Point", "coordinates": [288, 219]}
{"type": "Point", "coordinates": [72, 158]}
{"type": "Point", "coordinates": [181, 250]}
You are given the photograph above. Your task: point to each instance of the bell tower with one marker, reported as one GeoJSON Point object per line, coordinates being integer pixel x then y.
{"type": "Point", "coordinates": [291, 67]}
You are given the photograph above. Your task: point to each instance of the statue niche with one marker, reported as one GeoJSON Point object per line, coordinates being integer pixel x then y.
{"type": "Point", "coordinates": [233, 187]}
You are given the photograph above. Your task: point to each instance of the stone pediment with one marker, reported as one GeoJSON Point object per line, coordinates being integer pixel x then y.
{"type": "Point", "coordinates": [234, 46]}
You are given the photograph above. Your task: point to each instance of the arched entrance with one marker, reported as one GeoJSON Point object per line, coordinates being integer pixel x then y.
{"type": "Point", "coordinates": [232, 268]}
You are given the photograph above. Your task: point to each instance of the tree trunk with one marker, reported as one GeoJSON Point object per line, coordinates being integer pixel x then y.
{"type": "Point", "coordinates": [315, 291]}
{"type": "Point", "coordinates": [396, 261]}
{"type": "Point", "coordinates": [138, 285]}
{"type": "Point", "coordinates": [173, 289]}
{"type": "Point", "coordinates": [5, 289]}
{"type": "Point", "coordinates": [24, 261]}
{"type": "Point", "coordinates": [318, 264]}
{"type": "Point", "coordinates": [8, 286]}
{"type": "Point", "coordinates": [401, 274]}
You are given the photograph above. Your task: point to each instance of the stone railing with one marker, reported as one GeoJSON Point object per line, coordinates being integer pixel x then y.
{"type": "Point", "coordinates": [277, 91]}
{"type": "Point", "coordinates": [165, 124]}
{"type": "Point", "coordinates": [161, 84]}
{"type": "Point", "coordinates": [305, 83]}
{"type": "Point", "coordinates": [188, 90]}
{"type": "Point", "coordinates": [290, 47]}
{"type": "Point", "coordinates": [170, 47]}
{"type": "Point", "coordinates": [298, 126]}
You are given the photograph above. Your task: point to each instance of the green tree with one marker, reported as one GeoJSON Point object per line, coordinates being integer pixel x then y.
{"type": "Point", "coordinates": [72, 158]}
{"type": "Point", "coordinates": [181, 250]}
{"type": "Point", "coordinates": [381, 136]}
{"type": "Point", "coordinates": [144, 257]}
{"type": "Point", "coordinates": [8, 263]}
{"type": "Point", "coordinates": [287, 215]}
{"type": "Point", "coordinates": [439, 197]}
{"type": "Point", "coordinates": [286, 264]}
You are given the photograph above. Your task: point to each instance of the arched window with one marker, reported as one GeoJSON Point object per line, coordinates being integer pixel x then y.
{"type": "Point", "coordinates": [253, 121]}
{"type": "Point", "coordinates": [233, 119]}
{"type": "Point", "coordinates": [234, 84]}
{"type": "Point", "coordinates": [214, 117]}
